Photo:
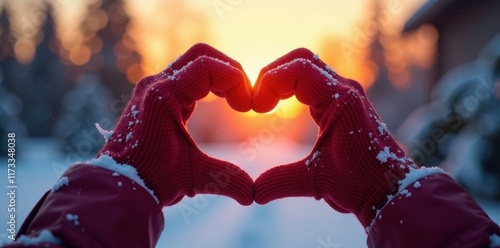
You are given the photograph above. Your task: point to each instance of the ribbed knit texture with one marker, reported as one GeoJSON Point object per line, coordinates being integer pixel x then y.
{"type": "Point", "coordinates": [355, 163]}
{"type": "Point", "coordinates": [151, 134]}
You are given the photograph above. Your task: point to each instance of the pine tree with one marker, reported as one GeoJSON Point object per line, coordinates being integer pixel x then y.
{"type": "Point", "coordinates": [459, 129]}
{"type": "Point", "coordinates": [112, 59]}
{"type": "Point", "coordinates": [6, 39]}
{"type": "Point", "coordinates": [10, 106]}
{"type": "Point", "coordinates": [40, 84]}
{"type": "Point", "coordinates": [89, 103]}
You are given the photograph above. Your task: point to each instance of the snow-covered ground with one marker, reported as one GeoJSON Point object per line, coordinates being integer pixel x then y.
{"type": "Point", "coordinates": [210, 221]}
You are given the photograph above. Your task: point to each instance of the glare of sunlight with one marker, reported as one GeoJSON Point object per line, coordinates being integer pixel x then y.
{"type": "Point", "coordinates": [290, 108]}
{"type": "Point", "coordinates": [252, 113]}
{"type": "Point", "coordinates": [210, 97]}
{"type": "Point", "coordinates": [252, 70]}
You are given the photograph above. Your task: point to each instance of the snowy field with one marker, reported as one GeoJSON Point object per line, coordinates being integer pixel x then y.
{"type": "Point", "coordinates": [213, 221]}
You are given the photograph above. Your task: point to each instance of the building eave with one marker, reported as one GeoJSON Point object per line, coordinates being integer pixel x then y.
{"type": "Point", "coordinates": [428, 13]}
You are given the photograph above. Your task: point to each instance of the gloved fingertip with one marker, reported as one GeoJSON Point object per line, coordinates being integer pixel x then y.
{"type": "Point", "coordinates": [261, 200]}
{"type": "Point", "coordinates": [264, 106]}
{"type": "Point", "coordinates": [258, 192]}
{"type": "Point", "coordinates": [240, 104]}
{"type": "Point", "coordinates": [302, 52]}
{"type": "Point", "coordinates": [247, 201]}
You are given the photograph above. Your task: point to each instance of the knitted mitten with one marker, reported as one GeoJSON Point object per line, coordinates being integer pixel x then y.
{"type": "Point", "coordinates": [151, 134]}
{"type": "Point", "coordinates": [355, 163]}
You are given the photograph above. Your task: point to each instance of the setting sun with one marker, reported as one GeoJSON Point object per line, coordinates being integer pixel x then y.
{"type": "Point", "coordinates": [288, 108]}
{"type": "Point", "coordinates": [254, 33]}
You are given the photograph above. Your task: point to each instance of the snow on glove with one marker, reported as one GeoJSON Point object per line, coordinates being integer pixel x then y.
{"type": "Point", "coordinates": [151, 134]}
{"type": "Point", "coordinates": [355, 163]}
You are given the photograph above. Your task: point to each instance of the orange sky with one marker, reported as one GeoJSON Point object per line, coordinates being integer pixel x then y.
{"type": "Point", "coordinates": [253, 32]}
{"type": "Point", "coordinates": [257, 32]}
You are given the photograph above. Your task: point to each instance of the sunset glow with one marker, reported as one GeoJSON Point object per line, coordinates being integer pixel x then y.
{"type": "Point", "coordinates": [254, 33]}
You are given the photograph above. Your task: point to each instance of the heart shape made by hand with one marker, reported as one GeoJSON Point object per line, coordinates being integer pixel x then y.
{"type": "Point", "coordinates": [354, 164]}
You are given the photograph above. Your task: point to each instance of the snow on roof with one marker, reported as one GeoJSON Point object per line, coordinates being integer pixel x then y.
{"type": "Point", "coordinates": [426, 14]}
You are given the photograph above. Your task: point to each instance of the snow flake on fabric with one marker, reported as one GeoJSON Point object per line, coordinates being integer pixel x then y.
{"type": "Point", "coordinates": [45, 236]}
{"type": "Point", "coordinates": [384, 155]}
{"type": "Point", "coordinates": [106, 134]}
{"type": "Point", "coordinates": [107, 162]}
{"type": "Point", "coordinates": [382, 127]}
{"type": "Point", "coordinates": [73, 218]}
{"type": "Point", "coordinates": [411, 177]}
{"type": "Point", "coordinates": [314, 159]}
{"type": "Point", "coordinates": [417, 173]}
{"type": "Point", "coordinates": [171, 63]}
{"type": "Point", "coordinates": [331, 70]}
{"type": "Point", "coordinates": [134, 111]}
{"type": "Point", "coordinates": [405, 192]}
{"type": "Point", "coordinates": [62, 181]}
{"type": "Point", "coordinates": [331, 81]}
{"type": "Point", "coordinates": [175, 73]}
{"type": "Point", "coordinates": [417, 185]}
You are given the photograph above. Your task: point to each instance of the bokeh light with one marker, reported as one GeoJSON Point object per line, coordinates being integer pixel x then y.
{"type": "Point", "coordinates": [146, 35]}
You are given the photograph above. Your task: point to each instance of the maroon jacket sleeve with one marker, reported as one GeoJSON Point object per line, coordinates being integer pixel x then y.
{"type": "Point", "coordinates": [97, 208]}
{"type": "Point", "coordinates": [435, 212]}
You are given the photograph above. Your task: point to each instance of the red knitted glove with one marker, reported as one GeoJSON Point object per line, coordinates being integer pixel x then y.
{"type": "Point", "coordinates": [355, 163]}
{"type": "Point", "coordinates": [151, 134]}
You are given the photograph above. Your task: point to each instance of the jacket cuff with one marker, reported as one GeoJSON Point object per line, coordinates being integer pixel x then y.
{"type": "Point", "coordinates": [95, 207]}
{"type": "Point", "coordinates": [432, 212]}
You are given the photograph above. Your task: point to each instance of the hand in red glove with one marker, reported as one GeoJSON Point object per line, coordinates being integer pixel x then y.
{"type": "Point", "coordinates": [151, 134]}
{"type": "Point", "coordinates": [355, 163]}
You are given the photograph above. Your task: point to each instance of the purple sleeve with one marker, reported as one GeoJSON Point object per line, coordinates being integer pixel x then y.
{"type": "Point", "coordinates": [96, 208]}
{"type": "Point", "coordinates": [435, 212]}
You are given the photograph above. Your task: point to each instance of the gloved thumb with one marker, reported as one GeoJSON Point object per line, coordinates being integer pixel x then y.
{"type": "Point", "coordinates": [290, 180]}
{"type": "Point", "coordinates": [214, 176]}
